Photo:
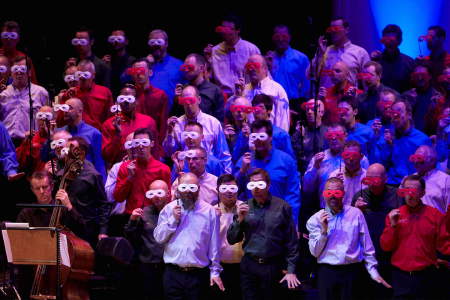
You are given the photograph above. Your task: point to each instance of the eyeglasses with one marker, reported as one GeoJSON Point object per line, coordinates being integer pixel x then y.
{"type": "Point", "coordinates": [241, 108]}
{"type": "Point", "coordinates": [10, 35]}
{"type": "Point", "coordinates": [252, 66]}
{"type": "Point", "coordinates": [58, 143]}
{"type": "Point", "coordinates": [155, 193]}
{"type": "Point", "coordinates": [123, 98]}
{"type": "Point", "coordinates": [187, 68]}
{"type": "Point", "coordinates": [184, 187]}
{"type": "Point", "coordinates": [417, 158]}
{"type": "Point", "coordinates": [156, 42]}
{"type": "Point", "coordinates": [387, 39]}
{"type": "Point", "coordinates": [183, 154]}
{"type": "Point", "coordinates": [80, 42]}
{"type": "Point", "coordinates": [61, 107]}
{"type": "Point", "coordinates": [83, 75]}
{"type": "Point", "coordinates": [224, 29]}
{"type": "Point", "coordinates": [256, 184]}
{"type": "Point", "coordinates": [351, 155]}
{"type": "Point", "coordinates": [334, 135]}
{"type": "Point", "coordinates": [116, 39]}
{"type": "Point", "coordinates": [18, 69]}
{"type": "Point", "coordinates": [70, 78]}
{"type": "Point", "coordinates": [186, 100]}
{"type": "Point", "coordinates": [223, 188]}
{"type": "Point", "coordinates": [306, 106]}
{"type": "Point", "coordinates": [136, 71]}
{"type": "Point", "coordinates": [44, 116]}
{"type": "Point", "coordinates": [342, 110]}
{"type": "Point", "coordinates": [3, 69]}
{"type": "Point", "coordinates": [189, 134]}
{"type": "Point", "coordinates": [376, 181]}
{"type": "Point", "coordinates": [403, 192]}
{"type": "Point", "coordinates": [116, 108]}
{"type": "Point", "coordinates": [262, 136]}
{"type": "Point", "coordinates": [364, 76]}
{"type": "Point", "coordinates": [280, 36]}
{"type": "Point", "coordinates": [336, 28]}
{"type": "Point", "coordinates": [333, 193]}
{"type": "Point", "coordinates": [136, 143]}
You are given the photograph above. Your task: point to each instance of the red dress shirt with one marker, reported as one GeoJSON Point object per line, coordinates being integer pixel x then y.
{"type": "Point", "coordinates": [153, 102]}
{"type": "Point", "coordinates": [17, 53]}
{"type": "Point", "coordinates": [23, 153]}
{"type": "Point", "coordinates": [134, 190]}
{"type": "Point", "coordinates": [415, 239]}
{"type": "Point", "coordinates": [97, 103]}
{"type": "Point", "coordinates": [331, 102]}
{"type": "Point", "coordinates": [112, 143]}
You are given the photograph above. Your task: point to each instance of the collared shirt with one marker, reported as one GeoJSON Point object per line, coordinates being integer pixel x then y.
{"type": "Point", "coordinates": [140, 233]}
{"type": "Point", "coordinates": [117, 207]}
{"type": "Point", "coordinates": [94, 139]}
{"type": "Point", "coordinates": [153, 102]}
{"type": "Point", "coordinates": [351, 184]}
{"type": "Point", "coordinates": [87, 194]}
{"type": "Point", "coordinates": [352, 55]}
{"type": "Point", "coordinates": [13, 55]}
{"type": "Point", "coordinates": [228, 64]}
{"type": "Point", "coordinates": [333, 97]}
{"type": "Point", "coordinates": [213, 166]}
{"type": "Point", "coordinates": [97, 103]}
{"type": "Point", "coordinates": [208, 188]}
{"type": "Point", "coordinates": [437, 190]}
{"type": "Point", "coordinates": [304, 145]}
{"type": "Point", "coordinates": [415, 239]}
{"type": "Point", "coordinates": [133, 190]}
{"type": "Point", "coordinates": [315, 179]}
{"type": "Point", "coordinates": [229, 254]}
{"type": "Point", "coordinates": [280, 115]}
{"type": "Point", "coordinates": [268, 231]}
{"type": "Point", "coordinates": [346, 241]}
{"type": "Point", "coordinates": [362, 134]}
{"type": "Point", "coordinates": [8, 160]}
{"type": "Point", "coordinates": [15, 108]}
{"type": "Point", "coordinates": [284, 178]}
{"type": "Point", "coordinates": [166, 75]}
{"type": "Point", "coordinates": [367, 104]}
{"type": "Point", "coordinates": [194, 241]}
{"type": "Point", "coordinates": [213, 141]}
{"type": "Point", "coordinates": [289, 70]}
{"type": "Point", "coordinates": [112, 141]}
{"type": "Point", "coordinates": [280, 140]}
{"type": "Point", "coordinates": [397, 69]}
{"type": "Point", "coordinates": [395, 157]}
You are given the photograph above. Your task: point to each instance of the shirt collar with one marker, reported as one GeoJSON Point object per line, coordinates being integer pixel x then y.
{"type": "Point", "coordinates": [266, 204]}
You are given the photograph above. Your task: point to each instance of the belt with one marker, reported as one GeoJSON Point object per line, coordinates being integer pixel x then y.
{"type": "Point", "coordinates": [425, 271]}
{"type": "Point", "coordinates": [185, 269]}
{"type": "Point", "coordinates": [265, 260]}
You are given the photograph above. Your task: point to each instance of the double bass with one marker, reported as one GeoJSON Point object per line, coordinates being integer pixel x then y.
{"type": "Point", "coordinates": [73, 280]}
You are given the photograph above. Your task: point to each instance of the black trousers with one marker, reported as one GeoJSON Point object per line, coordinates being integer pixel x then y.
{"type": "Point", "coordinates": [230, 276]}
{"type": "Point", "coordinates": [152, 277]}
{"type": "Point", "coordinates": [343, 282]}
{"type": "Point", "coordinates": [414, 285]}
{"type": "Point", "coordinates": [185, 285]}
{"type": "Point", "coordinates": [260, 281]}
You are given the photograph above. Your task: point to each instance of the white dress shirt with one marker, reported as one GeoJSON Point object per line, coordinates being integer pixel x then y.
{"type": "Point", "coordinates": [280, 113]}
{"type": "Point", "coordinates": [437, 190]}
{"type": "Point", "coordinates": [15, 108]}
{"type": "Point", "coordinates": [213, 141]}
{"type": "Point", "coordinates": [208, 188]}
{"type": "Point", "coordinates": [228, 64]}
{"type": "Point", "coordinates": [110, 185]}
{"type": "Point", "coordinates": [351, 184]}
{"type": "Point", "coordinates": [347, 239]}
{"type": "Point", "coordinates": [194, 240]}
{"type": "Point", "coordinates": [229, 254]}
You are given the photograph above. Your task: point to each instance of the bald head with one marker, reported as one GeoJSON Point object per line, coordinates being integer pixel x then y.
{"type": "Point", "coordinates": [75, 103]}
{"type": "Point", "coordinates": [429, 153]}
{"type": "Point", "coordinates": [61, 134]}
{"type": "Point", "coordinates": [86, 65]}
{"type": "Point", "coordinates": [159, 185]}
{"type": "Point", "coordinates": [46, 108]}
{"type": "Point", "coordinates": [340, 72]}
{"type": "Point", "coordinates": [376, 170]}
{"type": "Point", "coordinates": [258, 59]}
{"type": "Point", "coordinates": [189, 178]}
{"type": "Point", "coordinates": [242, 101]}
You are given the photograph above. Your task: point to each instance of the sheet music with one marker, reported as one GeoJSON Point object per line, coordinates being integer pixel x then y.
{"type": "Point", "coordinates": [7, 246]}
{"type": "Point", "coordinates": [63, 250]}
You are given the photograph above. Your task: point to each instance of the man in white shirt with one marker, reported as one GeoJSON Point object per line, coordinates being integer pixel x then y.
{"type": "Point", "coordinates": [341, 49]}
{"type": "Point", "coordinates": [437, 192]}
{"type": "Point", "coordinates": [189, 229]}
{"type": "Point", "coordinates": [339, 238]}
{"type": "Point", "coordinates": [230, 56]}
{"type": "Point", "coordinates": [260, 83]}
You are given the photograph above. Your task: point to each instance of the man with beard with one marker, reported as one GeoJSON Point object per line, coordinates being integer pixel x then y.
{"type": "Point", "coordinates": [189, 229]}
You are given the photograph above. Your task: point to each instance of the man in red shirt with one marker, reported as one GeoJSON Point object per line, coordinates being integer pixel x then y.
{"type": "Point", "coordinates": [151, 101]}
{"type": "Point", "coordinates": [10, 37]}
{"type": "Point", "coordinates": [125, 121]}
{"type": "Point", "coordinates": [414, 233]}
{"type": "Point", "coordinates": [97, 100]}
{"type": "Point", "coordinates": [136, 175]}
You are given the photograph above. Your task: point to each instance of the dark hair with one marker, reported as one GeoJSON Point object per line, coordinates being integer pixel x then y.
{"type": "Point", "coordinates": [199, 59]}
{"type": "Point", "coordinates": [86, 29]}
{"type": "Point", "coordinates": [194, 123]}
{"type": "Point", "coordinates": [39, 175]}
{"type": "Point", "coordinates": [233, 19]}
{"type": "Point", "coordinates": [82, 143]}
{"type": "Point", "coordinates": [405, 102]}
{"type": "Point", "coordinates": [350, 100]}
{"type": "Point", "coordinates": [11, 25]}
{"type": "Point", "coordinates": [225, 178]}
{"type": "Point", "coordinates": [205, 154]}
{"type": "Point", "coordinates": [425, 65]}
{"type": "Point", "coordinates": [440, 31]}
{"type": "Point", "coordinates": [262, 172]}
{"type": "Point", "coordinates": [129, 86]}
{"type": "Point", "coordinates": [197, 92]}
{"type": "Point", "coordinates": [344, 21]}
{"type": "Point", "coordinates": [378, 67]}
{"type": "Point", "coordinates": [282, 26]}
{"type": "Point", "coordinates": [258, 124]}
{"type": "Point", "coordinates": [143, 59]}
{"type": "Point", "coordinates": [415, 177]}
{"type": "Point", "coordinates": [352, 144]}
{"type": "Point", "coordinates": [388, 90]}
{"type": "Point", "coordinates": [264, 99]}
{"type": "Point", "coordinates": [146, 131]}
{"type": "Point", "coordinates": [393, 29]}
{"type": "Point", "coordinates": [19, 58]}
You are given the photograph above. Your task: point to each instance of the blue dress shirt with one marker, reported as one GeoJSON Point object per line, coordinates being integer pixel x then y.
{"type": "Point", "coordinates": [8, 160]}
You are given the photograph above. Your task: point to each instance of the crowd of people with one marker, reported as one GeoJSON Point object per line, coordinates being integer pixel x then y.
{"type": "Point", "coordinates": [239, 175]}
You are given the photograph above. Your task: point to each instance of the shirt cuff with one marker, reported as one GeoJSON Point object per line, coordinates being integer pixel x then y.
{"type": "Point", "coordinates": [11, 172]}
{"type": "Point", "coordinates": [373, 272]}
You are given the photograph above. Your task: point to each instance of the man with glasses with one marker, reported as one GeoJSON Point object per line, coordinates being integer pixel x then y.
{"type": "Point", "coordinates": [189, 230]}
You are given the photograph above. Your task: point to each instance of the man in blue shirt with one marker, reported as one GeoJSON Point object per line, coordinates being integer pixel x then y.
{"type": "Point", "coordinates": [8, 160]}
{"type": "Point", "coordinates": [77, 127]}
{"type": "Point", "coordinates": [166, 68]}
{"type": "Point", "coordinates": [397, 145]}
{"type": "Point", "coordinates": [285, 181]}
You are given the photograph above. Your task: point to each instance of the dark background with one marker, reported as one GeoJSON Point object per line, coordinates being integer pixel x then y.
{"type": "Point", "coordinates": [46, 33]}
